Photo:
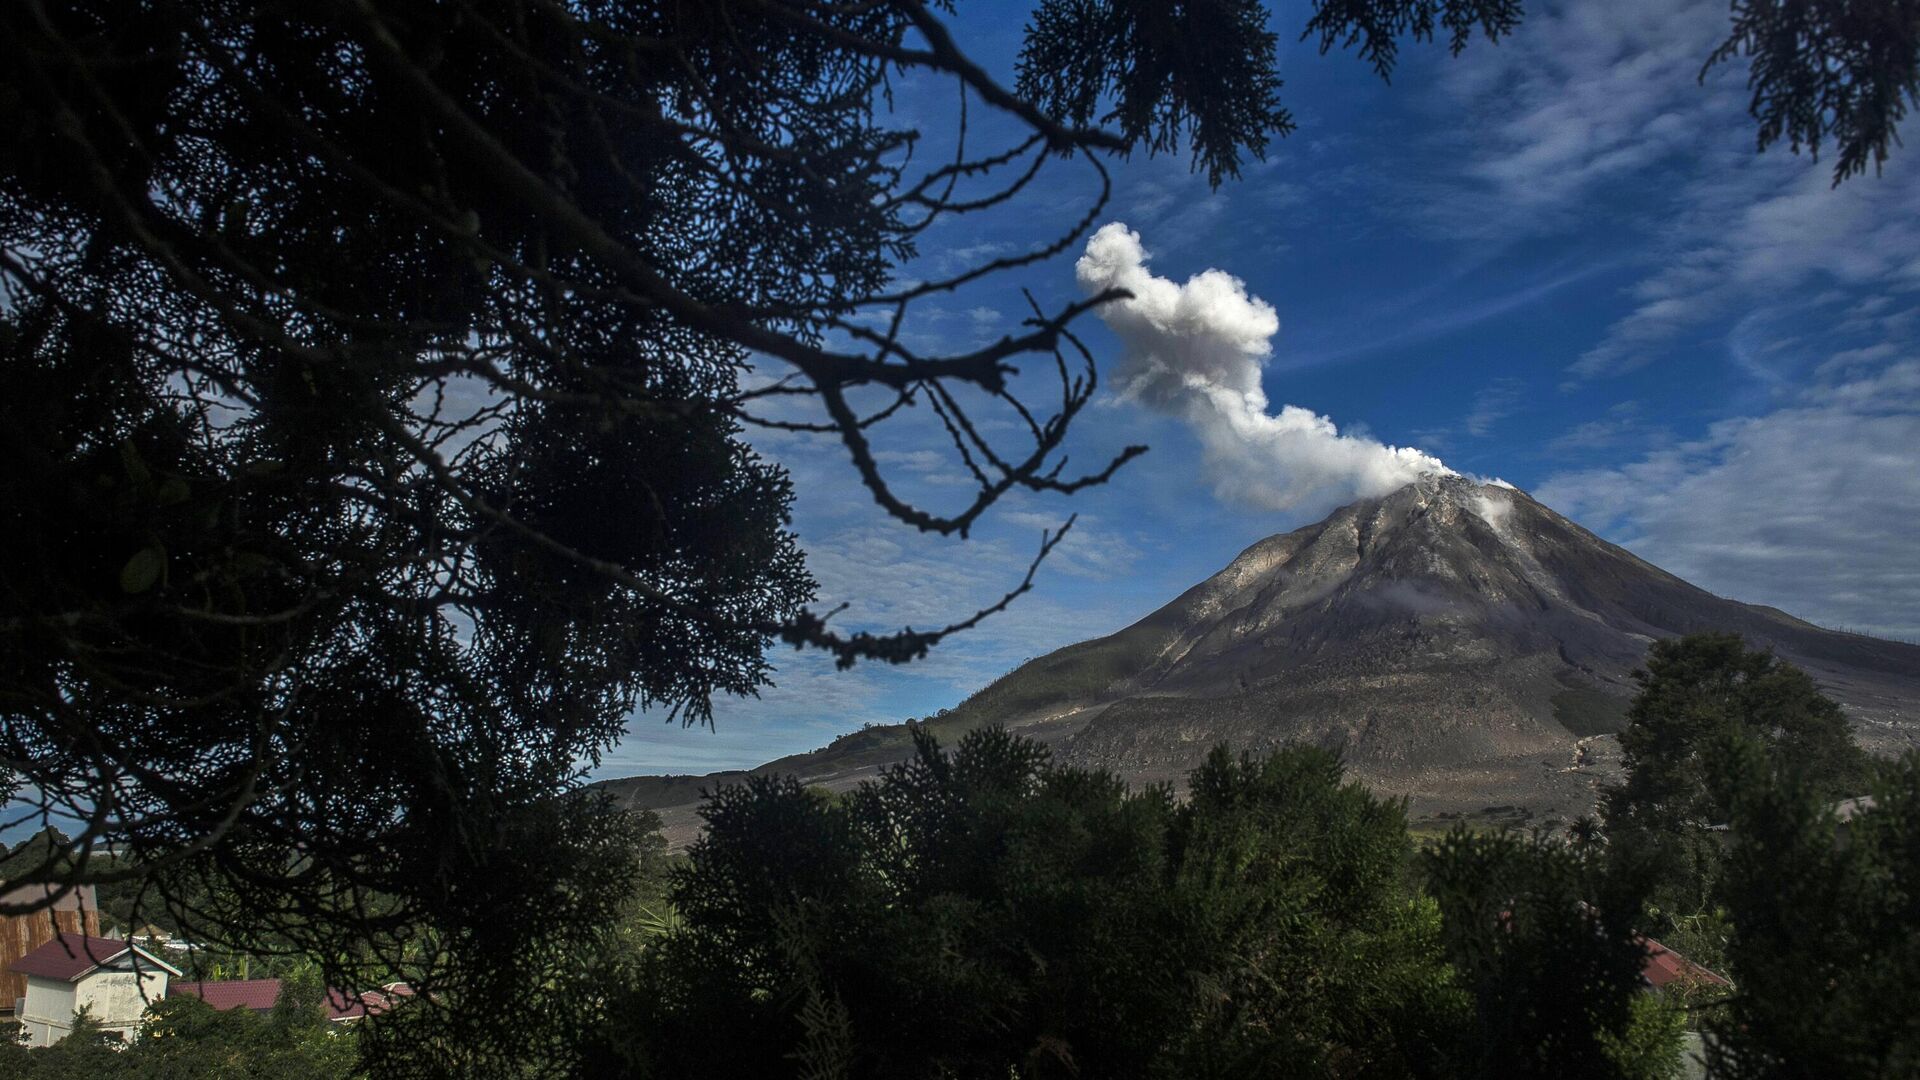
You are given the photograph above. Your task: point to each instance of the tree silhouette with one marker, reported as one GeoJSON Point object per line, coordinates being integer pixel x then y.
{"type": "Point", "coordinates": [376, 374]}
{"type": "Point", "coordinates": [1843, 71]}
{"type": "Point", "coordinates": [985, 912]}
{"type": "Point", "coordinates": [1696, 693]}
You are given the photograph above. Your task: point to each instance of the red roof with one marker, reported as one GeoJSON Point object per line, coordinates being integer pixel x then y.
{"type": "Point", "coordinates": [256, 994]}
{"type": "Point", "coordinates": [343, 1005]}
{"type": "Point", "coordinates": [69, 956]}
{"type": "Point", "coordinates": [1665, 967]}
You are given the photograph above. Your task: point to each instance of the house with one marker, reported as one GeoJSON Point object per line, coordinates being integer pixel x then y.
{"type": "Point", "coordinates": [259, 995]}
{"type": "Point", "coordinates": [74, 912]}
{"type": "Point", "coordinates": [113, 980]}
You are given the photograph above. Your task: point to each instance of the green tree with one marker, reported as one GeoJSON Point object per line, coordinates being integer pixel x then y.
{"type": "Point", "coordinates": [1826, 924]}
{"type": "Point", "coordinates": [1545, 937]}
{"type": "Point", "coordinates": [986, 912]}
{"type": "Point", "coordinates": [1315, 953]}
{"type": "Point", "coordinates": [1696, 694]}
{"type": "Point", "coordinates": [87, 1052]}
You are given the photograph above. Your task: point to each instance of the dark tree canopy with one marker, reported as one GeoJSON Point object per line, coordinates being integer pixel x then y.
{"type": "Point", "coordinates": [987, 913]}
{"type": "Point", "coordinates": [1545, 936]}
{"type": "Point", "coordinates": [1839, 71]}
{"type": "Point", "coordinates": [1696, 694]}
{"type": "Point", "coordinates": [1715, 722]}
{"type": "Point", "coordinates": [1826, 924]}
{"type": "Point", "coordinates": [376, 377]}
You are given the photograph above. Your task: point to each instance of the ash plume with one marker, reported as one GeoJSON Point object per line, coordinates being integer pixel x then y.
{"type": "Point", "coordinates": [1195, 350]}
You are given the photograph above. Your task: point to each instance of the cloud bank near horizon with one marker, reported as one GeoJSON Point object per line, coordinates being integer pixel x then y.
{"type": "Point", "coordinates": [1195, 350]}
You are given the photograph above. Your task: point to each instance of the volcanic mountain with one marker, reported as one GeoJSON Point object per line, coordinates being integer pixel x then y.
{"type": "Point", "coordinates": [1460, 642]}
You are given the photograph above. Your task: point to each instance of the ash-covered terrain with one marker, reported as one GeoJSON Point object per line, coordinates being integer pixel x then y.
{"type": "Point", "coordinates": [1463, 644]}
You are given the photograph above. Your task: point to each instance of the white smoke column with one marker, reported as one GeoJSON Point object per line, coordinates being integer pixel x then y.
{"type": "Point", "coordinates": [1195, 351]}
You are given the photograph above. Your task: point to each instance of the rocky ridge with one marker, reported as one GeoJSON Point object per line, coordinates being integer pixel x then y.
{"type": "Point", "coordinates": [1462, 644]}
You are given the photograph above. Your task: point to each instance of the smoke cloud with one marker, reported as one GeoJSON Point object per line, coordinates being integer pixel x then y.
{"type": "Point", "coordinates": [1195, 350]}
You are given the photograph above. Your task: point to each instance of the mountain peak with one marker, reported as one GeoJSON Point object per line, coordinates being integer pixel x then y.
{"type": "Point", "coordinates": [1458, 641]}
{"type": "Point", "coordinates": [1450, 622]}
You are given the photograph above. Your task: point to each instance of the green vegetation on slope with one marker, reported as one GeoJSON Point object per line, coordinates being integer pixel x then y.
{"type": "Point", "coordinates": [988, 913]}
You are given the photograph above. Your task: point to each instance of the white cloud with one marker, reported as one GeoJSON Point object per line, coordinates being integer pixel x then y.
{"type": "Point", "coordinates": [1583, 96]}
{"type": "Point", "coordinates": [1759, 242]}
{"type": "Point", "coordinates": [1622, 425]}
{"type": "Point", "coordinates": [1810, 508]}
{"type": "Point", "coordinates": [1091, 550]}
{"type": "Point", "coordinates": [1597, 114]}
{"type": "Point", "coordinates": [1195, 351]}
{"type": "Point", "coordinates": [1495, 402]}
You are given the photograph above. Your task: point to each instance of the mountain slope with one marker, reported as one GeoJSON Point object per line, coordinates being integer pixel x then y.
{"type": "Point", "coordinates": [1461, 642]}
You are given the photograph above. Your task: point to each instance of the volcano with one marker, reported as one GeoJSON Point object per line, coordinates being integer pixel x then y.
{"type": "Point", "coordinates": [1460, 643]}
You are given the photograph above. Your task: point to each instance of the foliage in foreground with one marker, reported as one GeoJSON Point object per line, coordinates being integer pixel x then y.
{"type": "Point", "coordinates": [989, 913]}
{"type": "Point", "coordinates": [1737, 768]}
{"type": "Point", "coordinates": [1825, 947]}
{"type": "Point", "coordinates": [986, 912]}
{"type": "Point", "coordinates": [1544, 935]}
{"type": "Point", "coordinates": [1697, 695]}
{"type": "Point", "coordinates": [187, 1039]}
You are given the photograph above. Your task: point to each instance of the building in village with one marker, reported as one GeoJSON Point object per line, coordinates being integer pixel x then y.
{"type": "Point", "coordinates": [258, 995]}
{"type": "Point", "coordinates": [114, 980]}
{"type": "Point", "coordinates": [261, 995]}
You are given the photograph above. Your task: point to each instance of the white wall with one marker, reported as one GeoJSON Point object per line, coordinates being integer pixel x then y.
{"type": "Point", "coordinates": [115, 998]}
{"type": "Point", "coordinates": [48, 1012]}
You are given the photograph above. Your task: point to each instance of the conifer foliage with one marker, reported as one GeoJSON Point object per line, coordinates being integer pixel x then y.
{"type": "Point", "coordinates": [987, 912]}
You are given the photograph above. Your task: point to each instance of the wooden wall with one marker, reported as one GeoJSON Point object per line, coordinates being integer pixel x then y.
{"type": "Point", "coordinates": [75, 913]}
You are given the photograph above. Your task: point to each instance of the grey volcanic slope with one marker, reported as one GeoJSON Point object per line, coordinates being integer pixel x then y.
{"type": "Point", "coordinates": [1460, 642]}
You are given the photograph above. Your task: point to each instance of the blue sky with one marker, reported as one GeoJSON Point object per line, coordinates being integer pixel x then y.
{"type": "Point", "coordinates": [1557, 260]}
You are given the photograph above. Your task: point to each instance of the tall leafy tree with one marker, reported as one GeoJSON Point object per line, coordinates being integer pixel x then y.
{"type": "Point", "coordinates": [987, 913]}
{"type": "Point", "coordinates": [1695, 692]}
{"type": "Point", "coordinates": [1826, 924]}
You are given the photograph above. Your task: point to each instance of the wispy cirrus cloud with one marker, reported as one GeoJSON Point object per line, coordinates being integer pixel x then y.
{"type": "Point", "coordinates": [1605, 116]}
{"type": "Point", "coordinates": [1810, 508]}
{"type": "Point", "coordinates": [1583, 97]}
{"type": "Point", "coordinates": [1763, 241]}
{"type": "Point", "coordinates": [1495, 402]}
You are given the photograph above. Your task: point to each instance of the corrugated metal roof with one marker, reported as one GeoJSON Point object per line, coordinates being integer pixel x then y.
{"type": "Point", "coordinates": [69, 956]}
{"type": "Point", "coordinates": [256, 994]}
{"type": "Point", "coordinates": [1664, 967]}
